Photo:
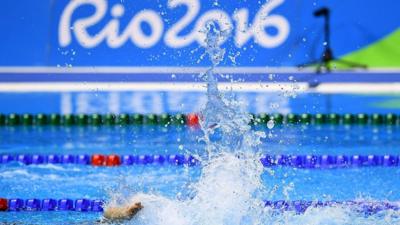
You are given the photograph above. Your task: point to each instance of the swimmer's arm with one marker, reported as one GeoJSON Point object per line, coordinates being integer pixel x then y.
{"type": "Point", "coordinates": [122, 213]}
{"type": "Point", "coordinates": [113, 213]}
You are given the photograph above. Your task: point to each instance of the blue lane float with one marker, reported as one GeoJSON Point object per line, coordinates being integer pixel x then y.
{"type": "Point", "coordinates": [330, 161]}
{"type": "Point", "coordinates": [297, 161]}
{"type": "Point", "coordinates": [49, 204]}
{"type": "Point", "coordinates": [299, 206]}
{"type": "Point", "coordinates": [364, 207]}
{"type": "Point", "coordinates": [80, 205]}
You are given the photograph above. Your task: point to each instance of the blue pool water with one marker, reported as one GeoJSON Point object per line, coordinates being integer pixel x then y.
{"type": "Point", "coordinates": [81, 181]}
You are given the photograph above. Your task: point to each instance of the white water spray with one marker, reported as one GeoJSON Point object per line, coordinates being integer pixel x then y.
{"type": "Point", "coordinates": [226, 192]}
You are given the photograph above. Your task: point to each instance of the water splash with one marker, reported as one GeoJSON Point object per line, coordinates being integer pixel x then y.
{"type": "Point", "coordinates": [223, 117]}
{"type": "Point", "coordinates": [227, 191]}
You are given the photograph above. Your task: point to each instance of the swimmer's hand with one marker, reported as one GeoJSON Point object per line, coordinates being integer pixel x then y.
{"type": "Point", "coordinates": [122, 213]}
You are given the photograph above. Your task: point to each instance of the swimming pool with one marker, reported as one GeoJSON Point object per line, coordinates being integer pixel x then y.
{"type": "Point", "coordinates": [352, 181]}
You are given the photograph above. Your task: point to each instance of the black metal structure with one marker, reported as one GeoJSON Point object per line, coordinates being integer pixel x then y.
{"type": "Point", "coordinates": [327, 55]}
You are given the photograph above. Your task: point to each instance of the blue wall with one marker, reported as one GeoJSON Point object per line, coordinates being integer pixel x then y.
{"type": "Point", "coordinates": [30, 31]}
{"type": "Point", "coordinates": [185, 102]}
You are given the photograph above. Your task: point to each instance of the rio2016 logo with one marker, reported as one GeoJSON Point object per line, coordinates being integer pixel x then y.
{"type": "Point", "coordinates": [115, 36]}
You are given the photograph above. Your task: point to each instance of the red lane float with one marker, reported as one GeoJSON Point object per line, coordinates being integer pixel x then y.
{"type": "Point", "coordinates": [98, 160]}
{"type": "Point", "coordinates": [113, 160]}
{"type": "Point", "coordinates": [192, 120]}
{"type": "Point", "coordinates": [3, 204]}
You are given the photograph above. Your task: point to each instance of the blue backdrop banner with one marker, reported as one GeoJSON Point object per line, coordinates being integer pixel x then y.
{"type": "Point", "coordinates": [168, 32]}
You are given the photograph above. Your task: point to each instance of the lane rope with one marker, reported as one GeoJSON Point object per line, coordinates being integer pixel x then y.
{"type": "Point", "coordinates": [298, 161]}
{"type": "Point", "coordinates": [87, 205]}
{"type": "Point", "coordinates": [192, 119]}
{"type": "Point", "coordinates": [80, 205]}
